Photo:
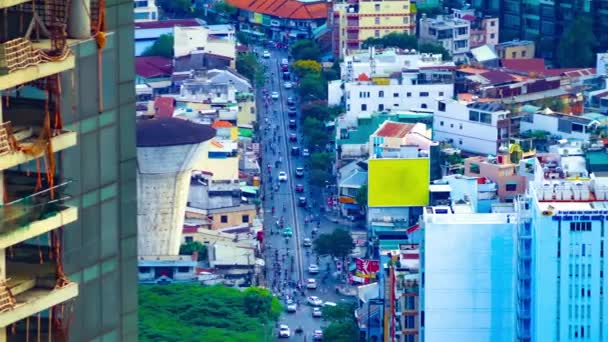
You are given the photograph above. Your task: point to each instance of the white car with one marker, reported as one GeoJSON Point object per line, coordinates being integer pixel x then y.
{"type": "Point", "coordinates": [329, 304]}
{"type": "Point", "coordinates": [311, 284]}
{"type": "Point", "coordinates": [284, 331]}
{"type": "Point", "coordinates": [308, 243]}
{"type": "Point", "coordinates": [316, 312]}
{"type": "Point", "coordinates": [291, 306]}
{"type": "Point", "coordinates": [313, 269]}
{"type": "Point", "coordinates": [317, 335]}
{"type": "Point", "coordinates": [266, 54]}
{"type": "Point", "coordinates": [288, 85]}
{"type": "Point", "coordinates": [282, 176]}
{"type": "Point", "coordinates": [314, 301]}
{"type": "Point", "coordinates": [275, 95]}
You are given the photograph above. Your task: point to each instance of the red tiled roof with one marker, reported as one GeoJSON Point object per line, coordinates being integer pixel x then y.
{"type": "Point", "coordinates": [153, 66]}
{"type": "Point", "coordinates": [168, 23]}
{"type": "Point", "coordinates": [496, 77]}
{"type": "Point", "coordinates": [189, 229]}
{"type": "Point", "coordinates": [468, 17]}
{"type": "Point", "coordinates": [394, 129]}
{"type": "Point", "coordinates": [363, 77]}
{"type": "Point", "coordinates": [221, 124]}
{"type": "Point", "coordinates": [536, 65]}
{"type": "Point", "coordinates": [164, 106]}
{"type": "Point", "coordinates": [291, 9]}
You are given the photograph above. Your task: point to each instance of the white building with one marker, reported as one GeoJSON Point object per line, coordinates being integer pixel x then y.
{"type": "Point", "coordinates": [145, 10]}
{"type": "Point", "coordinates": [446, 30]}
{"type": "Point", "coordinates": [217, 40]}
{"type": "Point", "coordinates": [468, 286]}
{"type": "Point", "coordinates": [404, 90]}
{"type": "Point", "coordinates": [562, 125]}
{"type": "Point", "coordinates": [478, 127]}
{"type": "Point", "coordinates": [376, 62]}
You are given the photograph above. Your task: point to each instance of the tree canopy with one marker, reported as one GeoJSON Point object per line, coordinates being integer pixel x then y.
{"type": "Point", "coordinates": [162, 47]}
{"type": "Point", "coordinates": [247, 65]}
{"type": "Point", "coordinates": [338, 244]}
{"type": "Point", "coordinates": [189, 248]}
{"type": "Point", "coordinates": [342, 326]}
{"type": "Point", "coordinates": [175, 8]}
{"type": "Point", "coordinates": [576, 45]}
{"type": "Point", "coordinates": [190, 312]}
{"type": "Point", "coordinates": [305, 49]}
{"type": "Point", "coordinates": [306, 66]}
{"type": "Point", "coordinates": [320, 110]}
{"type": "Point", "coordinates": [314, 132]}
{"type": "Point", "coordinates": [312, 87]}
{"type": "Point", "coordinates": [361, 196]}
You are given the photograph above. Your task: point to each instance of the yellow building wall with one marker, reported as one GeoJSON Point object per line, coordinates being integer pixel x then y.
{"type": "Point", "coordinates": [234, 218]}
{"type": "Point", "coordinates": [398, 182]}
{"type": "Point", "coordinates": [222, 169]}
{"type": "Point", "coordinates": [247, 113]}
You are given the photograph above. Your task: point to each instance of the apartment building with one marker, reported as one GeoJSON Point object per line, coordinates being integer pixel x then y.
{"type": "Point", "coordinates": [516, 49]}
{"type": "Point", "coordinates": [452, 33]}
{"type": "Point", "coordinates": [484, 28]}
{"type": "Point", "coordinates": [145, 10]}
{"type": "Point", "coordinates": [67, 168]}
{"type": "Point", "coordinates": [355, 21]}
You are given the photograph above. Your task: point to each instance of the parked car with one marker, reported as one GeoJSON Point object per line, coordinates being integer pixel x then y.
{"type": "Point", "coordinates": [302, 201]}
{"type": "Point", "coordinates": [311, 283]}
{"type": "Point", "coordinates": [292, 124]}
{"type": "Point", "coordinates": [266, 54]}
{"type": "Point", "coordinates": [291, 305]}
{"type": "Point", "coordinates": [305, 153]}
{"type": "Point", "coordinates": [299, 172]}
{"type": "Point", "coordinates": [284, 62]}
{"type": "Point", "coordinates": [274, 95]}
{"type": "Point", "coordinates": [317, 335]}
{"type": "Point", "coordinates": [292, 113]}
{"type": "Point", "coordinates": [314, 301]}
{"type": "Point", "coordinates": [291, 101]}
{"type": "Point", "coordinates": [330, 304]}
{"type": "Point", "coordinates": [293, 137]}
{"type": "Point", "coordinates": [286, 75]}
{"type": "Point", "coordinates": [284, 331]}
{"type": "Point", "coordinates": [288, 85]}
{"type": "Point", "coordinates": [313, 269]}
{"type": "Point", "coordinates": [295, 151]}
{"type": "Point", "coordinates": [299, 188]}
{"type": "Point", "coordinates": [316, 312]}
{"type": "Point", "coordinates": [282, 176]}
{"type": "Point", "coordinates": [307, 243]}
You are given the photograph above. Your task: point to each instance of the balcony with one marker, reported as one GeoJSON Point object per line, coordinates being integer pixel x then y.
{"type": "Point", "coordinates": [27, 137]}
{"type": "Point", "coordinates": [31, 288]}
{"type": "Point", "coordinates": [22, 61]}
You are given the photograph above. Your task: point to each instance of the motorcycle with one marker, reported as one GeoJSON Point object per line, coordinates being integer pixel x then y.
{"type": "Point", "coordinates": [299, 330]}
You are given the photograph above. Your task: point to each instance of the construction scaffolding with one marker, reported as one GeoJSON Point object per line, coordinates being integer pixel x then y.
{"type": "Point", "coordinates": [8, 144]}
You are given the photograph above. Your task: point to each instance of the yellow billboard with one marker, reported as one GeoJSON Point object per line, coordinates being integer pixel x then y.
{"type": "Point", "coordinates": [398, 182]}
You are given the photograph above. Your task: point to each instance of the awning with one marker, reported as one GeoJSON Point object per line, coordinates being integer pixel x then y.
{"type": "Point", "coordinates": [512, 183]}
{"type": "Point", "coordinates": [348, 200]}
{"type": "Point", "coordinates": [253, 190]}
{"type": "Point", "coordinates": [351, 206]}
{"type": "Point", "coordinates": [245, 132]}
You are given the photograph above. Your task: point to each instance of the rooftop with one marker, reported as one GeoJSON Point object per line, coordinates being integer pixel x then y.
{"type": "Point", "coordinates": [158, 132]}
{"type": "Point", "coordinates": [497, 77]}
{"type": "Point", "coordinates": [535, 65]}
{"type": "Point", "coordinates": [153, 66]}
{"type": "Point", "coordinates": [290, 9]}
{"type": "Point", "coordinates": [394, 129]}
{"type": "Point", "coordinates": [515, 43]}
{"type": "Point", "coordinates": [168, 23]}
{"type": "Point", "coordinates": [164, 106]}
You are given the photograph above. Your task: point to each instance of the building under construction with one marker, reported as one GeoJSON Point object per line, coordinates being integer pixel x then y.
{"type": "Point", "coordinates": [68, 234]}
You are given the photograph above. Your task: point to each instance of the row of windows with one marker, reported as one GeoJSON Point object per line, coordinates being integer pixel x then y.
{"type": "Point", "coordinates": [576, 270]}
{"type": "Point", "coordinates": [366, 94]}
{"type": "Point", "coordinates": [576, 331]}
{"type": "Point", "coordinates": [579, 310]}
{"type": "Point", "coordinates": [381, 106]}
{"type": "Point", "coordinates": [406, 20]}
{"type": "Point", "coordinates": [480, 117]}
{"type": "Point", "coordinates": [580, 227]}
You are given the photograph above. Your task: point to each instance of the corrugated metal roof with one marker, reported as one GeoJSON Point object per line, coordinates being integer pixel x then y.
{"type": "Point", "coordinates": [158, 132]}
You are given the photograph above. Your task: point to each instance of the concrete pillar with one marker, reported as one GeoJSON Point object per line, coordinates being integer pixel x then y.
{"type": "Point", "coordinates": [79, 25]}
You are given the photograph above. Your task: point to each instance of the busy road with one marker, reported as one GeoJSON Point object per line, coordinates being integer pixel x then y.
{"type": "Point", "coordinates": [292, 215]}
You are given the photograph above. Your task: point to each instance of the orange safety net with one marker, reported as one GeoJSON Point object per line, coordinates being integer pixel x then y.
{"type": "Point", "coordinates": [19, 53]}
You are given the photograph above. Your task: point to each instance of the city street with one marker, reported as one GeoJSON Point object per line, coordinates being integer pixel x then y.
{"type": "Point", "coordinates": [287, 260]}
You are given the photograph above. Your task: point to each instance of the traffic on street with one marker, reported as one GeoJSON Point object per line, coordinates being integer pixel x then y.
{"type": "Point", "coordinates": [293, 210]}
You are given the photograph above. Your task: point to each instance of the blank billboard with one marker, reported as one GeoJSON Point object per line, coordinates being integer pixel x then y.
{"type": "Point", "coordinates": [398, 182]}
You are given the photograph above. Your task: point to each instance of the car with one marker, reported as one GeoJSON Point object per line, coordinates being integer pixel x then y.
{"type": "Point", "coordinates": [286, 76]}
{"type": "Point", "coordinates": [266, 54]}
{"type": "Point", "coordinates": [317, 335]}
{"type": "Point", "coordinates": [316, 312]}
{"type": "Point", "coordinates": [291, 305]}
{"type": "Point", "coordinates": [307, 243]}
{"type": "Point", "coordinates": [299, 172]}
{"type": "Point", "coordinates": [299, 188]}
{"type": "Point", "coordinates": [293, 137]}
{"type": "Point", "coordinates": [291, 101]}
{"type": "Point", "coordinates": [284, 68]}
{"type": "Point", "coordinates": [302, 201]}
{"type": "Point", "coordinates": [288, 85]}
{"type": "Point", "coordinates": [284, 331]}
{"type": "Point", "coordinates": [313, 269]}
{"type": "Point", "coordinates": [282, 176]}
{"type": "Point", "coordinates": [275, 95]}
{"type": "Point", "coordinates": [292, 124]}
{"type": "Point", "coordinates": [305, 153]}
{"type": "Point", "coordinates": [287, 232]}
{"type": "Point", "coordinates": [311, 283]}
{"type": "Point", "coordinates": [295, 151]}
{"type": "Point", "coordinates": [314, 301]}
{"type": "Point", "coordinates": [291, 107]}
{"type": "Point", "coordinates": [292, 113]}
{"type": "Point", "coordinates": [284, 61]}
{"type": "Point", "coordinates": [330, 304]}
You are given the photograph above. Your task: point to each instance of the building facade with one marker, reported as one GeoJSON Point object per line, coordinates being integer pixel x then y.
{"type": "Point", "coordinates": [452, 33]}
{"type": "Point", "coordinates": [145, 10]}
{"type": "Point", "coordinates": [355, 21]}
{"type": "Point", "coordinates": [516, 49]}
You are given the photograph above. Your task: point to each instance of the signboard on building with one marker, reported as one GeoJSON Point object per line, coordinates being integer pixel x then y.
{"type": "Point", "coordinates": [257, 18]}
{"type": "Point", "coordinates": [366, 269]}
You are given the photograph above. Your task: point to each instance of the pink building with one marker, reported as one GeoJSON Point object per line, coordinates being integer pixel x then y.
{"type": "Point", "coordinates": [499, 170]}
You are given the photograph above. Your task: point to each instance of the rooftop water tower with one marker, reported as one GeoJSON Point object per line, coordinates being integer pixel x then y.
{"type": "Point", "coordinates": [167, 149]}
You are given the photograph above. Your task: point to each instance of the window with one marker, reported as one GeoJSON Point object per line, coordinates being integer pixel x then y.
{"type": "Point", "coordinates": [441, 106]}
{"type": "Point", "coordinates": [144, 269]}
{"type": "Point", "coordinates": [473, 115]}
{"type": "Point", "coordinates": [492, 35]}
{"type": "Point", "coordinates": [523, 54]}
{"type": "Point", "coordinates": [380, 107]}
{"type": "Point", "coordinates": [514, 54]}
{"type": "Point", "coordinates": [188, 239]}
{"type": "Point", "coordinates": [485, 118]}
{"type": "Point", "coordinates": [492, 23]}
{"type": "Point", "coordinates": [377, 7]}
{"type": "Point", "coordinates": [406, 20]}
{"type": "Point", "coordinates": [511, 187]}
{"type": "Point", "coordinates": [440, 93]}
{"type": "Point", "coordinates": [395, 94]}
{"type": "Point", "coordinates": [460, 141]}
{"type": "Point", "coordinates": [245, 218]}
{"type": "Point", "coordinates": [381, 93]}
{"type": "Point", "coordinates": [440, 123]}
{"type": "Point", "coordinates": [408, 94]}
{"type": "Point", "coordinates": [473, 168]}
{"type": "Point", "coordinates": [377, 32]}
{"type": "Point", "coordinates": [183, 269]}
{"type": "Point", "coordinates": [423, 105]}
{"type": "Point", "coordinates": [224, 219]}
{"type": "Point", "coordinates": [577, 128]}
{"type": "Point", "coordinates": [424, 94]}
{"type": "Point", "coordinates": [377, 20]}
{"type": "Point", "coordinates": [462, 30]}
{"type": "Point", "coordinates": [363, 107]}
{"type": "Point", "coordinates": [460, 126]}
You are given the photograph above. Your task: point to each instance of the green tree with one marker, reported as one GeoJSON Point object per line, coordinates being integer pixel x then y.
{"type": "Point", "coordinates": [319, 178]}
{"type": "Point", "coordinates": [361, 197]}
{"type": "Point", "coordinates": [162, 47]}
{"type": "Point", "coordinates": [320, 161]}
{"type": "Point", "coordinates": [224, 8]}
{"type": "Point", "coordinates": [330, 74]}
{"type": "Point", "coordinates": [576, 45]}
{"type": "Point", "coordinates": [247, 65]}
{"type": "Point", "coordinates": [338, 244]}
{"type": "Point", "coordinates": [434, 49]}
{"type": "Point", "coordinates": [306, 66]}
{"type": "Point", "coordinates": [305, 49]}
{"type": "Point", "coordinates": [175, 8]}
{"type": "Point", "coordinates": [321, 111]}
{"type": "Point", "coordinates": [393, 39]}
{"type": "Point", "coordinates": [312, 87]}
{"type": "Point", "coordinates": [189, 248]}
{"type": "Point", "coordinates": [342, 326]}
{"type": "Point", "coordinates": [314, 132]}
{"type": "Point", "coordinates": [340, 312]}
